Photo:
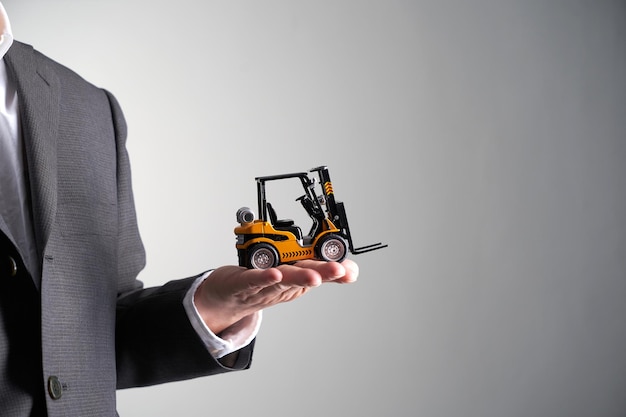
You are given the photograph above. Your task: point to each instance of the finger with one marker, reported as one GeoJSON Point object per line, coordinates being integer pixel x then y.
{"type": "Point", "coordinates": [352, 272]}
{"type": "Point", "coordinates": [256, 280]}
{"type": "Point", "coordinates": [295, 275]}
{"type": "Point", "coordinates": [328, 271]}
{"type": "Point", "coordinates": [344, 272]}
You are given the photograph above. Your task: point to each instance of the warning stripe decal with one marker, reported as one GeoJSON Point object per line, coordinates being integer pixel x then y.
{"type": "Point", "coordinates": [297, 254]}
{"type": "Point", "coordinates": [328, 188]}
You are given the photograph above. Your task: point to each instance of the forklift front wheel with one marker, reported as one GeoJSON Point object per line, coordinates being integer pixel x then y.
{"type": "Point", "coordinates": [332, 248]}
{"type": "Point", "coordinates": [262, 256]}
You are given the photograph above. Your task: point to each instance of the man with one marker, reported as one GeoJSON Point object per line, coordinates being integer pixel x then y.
{"type": "Point", "coordinates": [75, 323]}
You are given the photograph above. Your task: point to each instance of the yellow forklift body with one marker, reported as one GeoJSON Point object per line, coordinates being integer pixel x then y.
{"type": "Point", "coordinates": [288, 247]}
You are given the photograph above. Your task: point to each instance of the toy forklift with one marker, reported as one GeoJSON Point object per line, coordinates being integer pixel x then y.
{"type": "Point", "coordinates": [269, 241]}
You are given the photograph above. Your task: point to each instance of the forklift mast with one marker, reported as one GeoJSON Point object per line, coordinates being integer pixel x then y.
{"type": "Point", "coordinates": [337, 212]}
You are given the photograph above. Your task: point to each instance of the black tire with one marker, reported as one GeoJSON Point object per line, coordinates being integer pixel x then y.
{"type": "Point", "coordinates": [262, 256]}
{"type": "Point", "coordinates": [332, 248]}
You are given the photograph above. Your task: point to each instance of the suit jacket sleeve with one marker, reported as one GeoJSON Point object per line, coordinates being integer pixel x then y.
{"type": "Point", "coordinates": [155, 341]}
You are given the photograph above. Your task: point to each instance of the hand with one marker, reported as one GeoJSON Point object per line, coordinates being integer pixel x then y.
{"type": "Point", "coordinates": [231, 293]}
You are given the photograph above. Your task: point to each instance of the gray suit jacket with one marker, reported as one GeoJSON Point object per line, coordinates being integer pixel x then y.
{"type": "Point", "coordinates": [100, 330]}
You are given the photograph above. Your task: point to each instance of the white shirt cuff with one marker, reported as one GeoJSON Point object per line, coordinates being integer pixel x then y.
{"type": "Point", "coordinates": [233, 338]}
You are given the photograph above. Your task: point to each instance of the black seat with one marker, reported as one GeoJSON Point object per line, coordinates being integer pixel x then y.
{"type": "Point", "coordinates": [282, 224]}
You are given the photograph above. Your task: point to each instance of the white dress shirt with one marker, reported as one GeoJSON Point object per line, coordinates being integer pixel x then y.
{"type": "Point", "coordinates": [15, 211]}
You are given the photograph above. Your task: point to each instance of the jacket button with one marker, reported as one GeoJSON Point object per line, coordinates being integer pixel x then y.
{"type": "Point", "coordinates": [12, 267]}
{"type": "Point", "coordinates": [8, 266]}
{"type": "Point", "coordinates": [55, 389]}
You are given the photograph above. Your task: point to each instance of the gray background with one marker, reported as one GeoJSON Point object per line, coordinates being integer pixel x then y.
{"type": "Point", "coordinates": [484, 141]}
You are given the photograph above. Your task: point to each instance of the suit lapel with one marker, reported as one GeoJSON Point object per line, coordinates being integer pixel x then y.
{"type": "Point", "coordinates": [38, 95]}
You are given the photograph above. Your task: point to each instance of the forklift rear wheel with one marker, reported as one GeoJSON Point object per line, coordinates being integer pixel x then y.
{"type": "Point", "coordinates": [262, 256]}
{"type": "Point", "coordinates": [332, 248]}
